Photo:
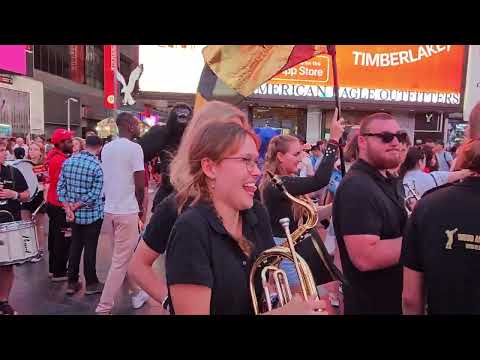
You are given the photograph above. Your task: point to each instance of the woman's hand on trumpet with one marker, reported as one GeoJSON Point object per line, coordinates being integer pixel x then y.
{"type": "Point", "coordinates": [298, 306]}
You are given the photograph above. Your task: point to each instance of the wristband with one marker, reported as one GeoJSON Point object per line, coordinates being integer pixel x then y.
{"type": "Point", "coordinates": [16, 196]}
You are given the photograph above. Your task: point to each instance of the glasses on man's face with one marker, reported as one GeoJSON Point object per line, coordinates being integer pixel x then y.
{"type": "Point", "coordinates": [387, 137]}
{"type": "Point", "coordinates": [250, 163]}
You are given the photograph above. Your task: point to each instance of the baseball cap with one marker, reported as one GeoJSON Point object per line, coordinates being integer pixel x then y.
{"type": "Point", "coordinates": [61, 135]}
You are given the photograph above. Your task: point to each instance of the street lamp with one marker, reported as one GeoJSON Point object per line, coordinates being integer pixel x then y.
{"type": "Point", "coordinates": [68, 110]}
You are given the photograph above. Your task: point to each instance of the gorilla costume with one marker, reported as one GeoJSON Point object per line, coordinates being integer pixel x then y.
{"type": "Point", "coordinates": [163, 141]}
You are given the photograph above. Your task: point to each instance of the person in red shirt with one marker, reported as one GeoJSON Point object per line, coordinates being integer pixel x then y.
{"type": "Point", "coordinates": [58, 242]}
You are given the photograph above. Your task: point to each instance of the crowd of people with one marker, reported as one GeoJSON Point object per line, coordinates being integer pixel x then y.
{"type": "Point", "coordinates": [79, 193]}
{"type": "Point", "coordinates": [396, 219]}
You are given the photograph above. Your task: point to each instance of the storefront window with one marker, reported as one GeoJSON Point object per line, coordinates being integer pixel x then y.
{"type": "Point", "coordinates": [290, 121]}
{"type": "Point", "coordinates": [455, 132]}
{"type": "Point", "coordinates": [54, 59]}
{"type": "Point", "coordinates": [352, 118]}
{"type": "Point", "coordinates": [94, 66]}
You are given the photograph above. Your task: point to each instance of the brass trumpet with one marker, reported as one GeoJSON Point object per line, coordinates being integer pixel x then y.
{"type": "Point", "coordinates": [269, 260]}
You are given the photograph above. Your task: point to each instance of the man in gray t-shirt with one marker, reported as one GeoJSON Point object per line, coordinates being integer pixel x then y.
{"type": "Point", "coordinates": [444, 158]}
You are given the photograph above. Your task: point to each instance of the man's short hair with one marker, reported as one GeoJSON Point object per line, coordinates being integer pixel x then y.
{"type": "Point", "coordinates": [439, 142]}
{"type": "Point", "coordinates": [124, 118]}
{"type": "Point", "coordinates": [314, 147]}
{"type": "Point", "coordinates": [367, 120]}
{"type": "Point", "coordinates": [93, 141]}
{"type": "Point", "coordinates": [19, 153]}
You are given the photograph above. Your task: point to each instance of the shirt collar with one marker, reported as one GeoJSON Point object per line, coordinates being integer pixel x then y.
{"type": "Point", "coordinates": [87, 153]}
{"type": "Point", "coordinates": [362, 165]}
{"type": "Point", "coordinates": [248, 216]}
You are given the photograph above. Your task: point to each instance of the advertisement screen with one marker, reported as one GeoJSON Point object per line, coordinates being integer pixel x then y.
{"type": "Point", "coordinates": [171, 68]}
{"type": "Point", "coordinates": [13, 58]}
{"type": "Point", "coordinates": [388, 73]}
{"type": "Point", "coordinates": [411, 74]}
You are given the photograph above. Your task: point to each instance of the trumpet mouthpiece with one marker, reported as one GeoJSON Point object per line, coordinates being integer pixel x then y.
{"type": "Point", "coordinates": [285, 222]}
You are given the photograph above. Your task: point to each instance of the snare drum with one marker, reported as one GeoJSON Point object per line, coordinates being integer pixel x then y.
{"type": "Point", "coordinates": [18, 242]}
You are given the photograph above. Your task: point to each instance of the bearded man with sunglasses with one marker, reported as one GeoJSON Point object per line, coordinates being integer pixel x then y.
{"type": "Point", "coordinates": [369, 218]}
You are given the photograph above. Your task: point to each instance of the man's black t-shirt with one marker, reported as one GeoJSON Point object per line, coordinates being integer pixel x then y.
{"type": "Point", "coordinates": [442, 241]}
{"type": "Point", "coordinates": [12, 179]}
{"type": "Point", "coordinates": [201, 252]}
{"type": "Point", "coordinates": [366, 202]}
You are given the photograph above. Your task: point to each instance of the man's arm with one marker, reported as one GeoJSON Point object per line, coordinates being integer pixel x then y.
{"type": "Point", "coordinates": [62, 186]}
{"type": "Point", "coordinates": [95, 189]}
{"type": "Point", "coordinates": [20, 192]}
{"type": "Point", "coordinates": [368, 252]}
{"type": "Point", "coordinates": [413, 295]}
{"type": "Point", "coordinates": [139, 178]}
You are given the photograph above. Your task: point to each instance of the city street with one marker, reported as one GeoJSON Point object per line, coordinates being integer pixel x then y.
{"type": "Point", "coordinates": [35, 294]}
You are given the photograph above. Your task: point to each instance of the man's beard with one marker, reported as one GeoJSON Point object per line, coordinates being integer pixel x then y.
{"type": "Point", "coordinates": [380, 162]}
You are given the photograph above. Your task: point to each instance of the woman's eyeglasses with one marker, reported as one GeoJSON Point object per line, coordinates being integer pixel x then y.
{"type": "Point", "coordinates": [249, 162]}
{"type": "Point", "coordinates": [387, 137]}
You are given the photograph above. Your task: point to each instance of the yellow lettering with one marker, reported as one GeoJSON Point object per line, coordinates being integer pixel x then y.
{"type": "Point", "coordinates": [466, 237]}
{"type": "Point", "coordinates": [450, 234]}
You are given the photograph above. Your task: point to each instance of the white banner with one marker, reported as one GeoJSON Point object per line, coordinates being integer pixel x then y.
{"type": "Point", "coordinates": [472, 85]}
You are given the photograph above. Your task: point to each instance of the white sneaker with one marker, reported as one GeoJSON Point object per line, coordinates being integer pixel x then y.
{"type": "Point", "coordinates": [139, 299]}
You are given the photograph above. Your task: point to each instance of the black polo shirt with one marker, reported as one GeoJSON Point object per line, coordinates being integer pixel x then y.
{"type": "Point", "coordinates": [366, 202]}
{"type": "Point", "coordinates": [201, 252]}
{"type": "Point", "coordinates": [12, 179]}
{"type": "Point", "coordinates": [442, 240]}
{"type": "Point", "coordinates": [160, 225]}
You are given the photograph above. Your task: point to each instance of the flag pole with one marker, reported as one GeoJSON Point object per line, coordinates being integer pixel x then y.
{"type": "Point", "coordinates": [333, 53]}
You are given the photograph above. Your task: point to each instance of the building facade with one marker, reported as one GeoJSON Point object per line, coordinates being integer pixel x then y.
{"type": "Point", "coordinates": [76, 72]}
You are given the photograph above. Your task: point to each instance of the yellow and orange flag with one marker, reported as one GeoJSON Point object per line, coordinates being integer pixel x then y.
{"type": "Point", "coordinates": [233, 72]}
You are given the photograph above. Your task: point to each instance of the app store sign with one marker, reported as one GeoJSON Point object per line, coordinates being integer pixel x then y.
{"type": "Point", "coordinates": [429, 74]}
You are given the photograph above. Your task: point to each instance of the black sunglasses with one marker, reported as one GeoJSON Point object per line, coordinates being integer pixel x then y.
{"type": "Point", "coordinates": [387, 137]}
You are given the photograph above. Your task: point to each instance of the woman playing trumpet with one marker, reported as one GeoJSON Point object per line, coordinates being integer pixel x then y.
{"type": "Point", "coordinates": [218, 236]}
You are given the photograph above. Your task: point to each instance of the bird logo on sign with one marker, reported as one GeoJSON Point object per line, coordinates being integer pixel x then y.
{"type": "Point", "coordinates": [128, 89]}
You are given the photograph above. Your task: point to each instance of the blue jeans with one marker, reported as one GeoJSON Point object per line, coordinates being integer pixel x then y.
{"type": "Point", "coordinates": [288, 266]}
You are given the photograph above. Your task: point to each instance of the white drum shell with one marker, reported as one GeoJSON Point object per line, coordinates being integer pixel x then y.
{"type": "Point", "coordinates": [18, 242]}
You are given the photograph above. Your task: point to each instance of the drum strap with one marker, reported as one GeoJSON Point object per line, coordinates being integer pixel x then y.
{"type": "Point", "coordinates": [10, 170]}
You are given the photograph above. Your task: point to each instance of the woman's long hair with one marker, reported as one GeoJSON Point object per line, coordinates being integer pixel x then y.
{"type": "Point", "coordinates": [429, 157]}
{"type": "Point", "coordinates": [351, 148]}
{"type": "Point", "coordinates": [278, 144]}
{"type": "Point", "coordinates": [41, 160]}
{"type": "Point", "coordinates": [414, 155]}
{"type": "Point", "coordinates": [469, 156]}
{"type": "Point", "coordinates": [212, 112]}
{"type": "Point", "coordinates": [214, 141]}
{"type": "Point", "coordinates": [81, 141]}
